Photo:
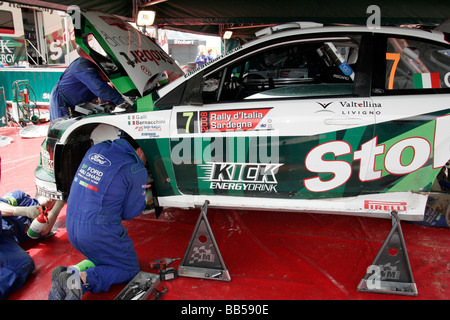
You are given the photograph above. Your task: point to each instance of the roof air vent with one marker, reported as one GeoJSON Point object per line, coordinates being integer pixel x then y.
{"type": "Point", "coordinates": [287, 26]}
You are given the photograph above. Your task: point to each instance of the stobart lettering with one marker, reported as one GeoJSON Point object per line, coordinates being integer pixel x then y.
{"type": "Point", "coordinates": [150, 55]}
{"type": "Point", "coordinates": [117, 41]}
{"type": "Point", "coordinates": [342, 170]}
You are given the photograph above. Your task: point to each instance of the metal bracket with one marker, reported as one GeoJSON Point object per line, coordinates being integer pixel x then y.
{"type": "Point", "coordinates": [390, 272]}
{"type": "Point", "coordinates": [202, 258]}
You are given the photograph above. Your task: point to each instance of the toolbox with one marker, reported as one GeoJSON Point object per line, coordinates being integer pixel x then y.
{"type": "Point", "coordinates": [142, 287]}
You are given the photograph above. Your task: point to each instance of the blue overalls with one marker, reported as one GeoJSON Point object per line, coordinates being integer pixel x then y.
{"type": "Point", "coordinates": [108, 187]}
{"type": "Point", "coordinates": [80, 82]}
{"type": "Point", "coordinates": [15, 263]}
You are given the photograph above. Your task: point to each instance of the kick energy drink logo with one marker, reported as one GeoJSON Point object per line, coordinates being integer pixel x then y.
{"type": "Point", "coordinates": [12, 50]}
{"type": "Point", "coordinates": [242, 176]}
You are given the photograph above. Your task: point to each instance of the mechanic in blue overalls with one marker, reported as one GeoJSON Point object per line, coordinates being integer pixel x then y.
{"type": "Point", "coordinates": [81, 82]}
{"type": "Point", "coordinates": [108, 187]}
{"type": "Point", "coordinates": [17, 210]}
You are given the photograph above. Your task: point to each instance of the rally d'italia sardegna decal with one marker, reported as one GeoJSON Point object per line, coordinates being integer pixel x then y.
{"type": "Point", "coordinates": [221, 121]}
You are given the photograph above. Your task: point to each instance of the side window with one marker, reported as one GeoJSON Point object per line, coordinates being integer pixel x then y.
{"type": "Point", "coordinates": [6, 22]}
{"type": "Point", "coordinates": [303, 69]}
{"type": "Point", "coordinates": [416, 65]}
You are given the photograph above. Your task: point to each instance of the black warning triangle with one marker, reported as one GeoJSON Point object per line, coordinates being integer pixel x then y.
{"type": "Point", "coordinates": [202, 258]}
{"type": "Point", "coordinates": [390, 272]}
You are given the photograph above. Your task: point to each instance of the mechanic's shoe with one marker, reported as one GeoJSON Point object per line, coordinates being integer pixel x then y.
{"type": "Point", "coordinates": [57, 271]}
{"type": "Point", "coordinates": [71, 283]}
{"type": "Point", "coordinates": [56, 292]}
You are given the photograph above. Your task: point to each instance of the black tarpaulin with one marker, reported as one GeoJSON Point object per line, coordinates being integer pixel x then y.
{"type": "Point", "coordinates": [215, 16]}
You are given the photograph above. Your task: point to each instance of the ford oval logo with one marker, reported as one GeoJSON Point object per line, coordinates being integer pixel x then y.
{"type": "Point", "coordinates": [146, 70]}
{"type": "Point", "coordinates": [99, 159]}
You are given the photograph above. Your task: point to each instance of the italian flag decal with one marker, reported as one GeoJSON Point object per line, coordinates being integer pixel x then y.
{"type": "Point", "coordinates": [86, 185]}
{"type": "Point", "coordinates": [426, 80]}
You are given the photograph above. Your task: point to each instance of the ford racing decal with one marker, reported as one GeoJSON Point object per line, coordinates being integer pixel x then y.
{"type": "Point", "coordinates": [99, 159]}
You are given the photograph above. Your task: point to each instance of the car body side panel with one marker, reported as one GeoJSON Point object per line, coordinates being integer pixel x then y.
{"type": "Point", "coordinates": [337, 153]}
{"type": "Point", "coordinates": [409, 207]}
{"type": "Point", "coordinates": [372, 153]}
{"type": "Point", "coordinates": [224, 165]}
{"type": "Point", "coordinates": [276, 141]}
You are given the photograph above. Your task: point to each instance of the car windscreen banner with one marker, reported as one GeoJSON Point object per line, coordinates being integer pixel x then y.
{"type": "Point", "coordinates": [140, 57]}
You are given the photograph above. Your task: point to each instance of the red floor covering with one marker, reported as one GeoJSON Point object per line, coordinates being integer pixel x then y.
{"type": "Point", "coordinates": [270, 255]}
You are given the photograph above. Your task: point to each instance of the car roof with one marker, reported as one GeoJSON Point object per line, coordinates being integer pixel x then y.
{"type": "Point", "coordinates": [317, 29]}
{"type": "Point", "coordinates": [313, 29]}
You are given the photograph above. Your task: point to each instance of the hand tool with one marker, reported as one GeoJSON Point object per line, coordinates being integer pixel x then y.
{"type": "Point", "coordinates": [162, 263]}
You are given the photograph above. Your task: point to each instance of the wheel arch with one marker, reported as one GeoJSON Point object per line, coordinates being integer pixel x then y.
{"type": "Point", "coordinates": [73, 146]}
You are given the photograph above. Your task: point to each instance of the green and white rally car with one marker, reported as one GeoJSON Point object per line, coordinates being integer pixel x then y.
{"type": "Point", "coordinates": [340, 120]}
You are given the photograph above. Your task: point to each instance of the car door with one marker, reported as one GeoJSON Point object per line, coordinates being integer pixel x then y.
{"type": "Point", "coordinates": [276, 122]}
{"type": "Point", "coordinates": [412, 88]}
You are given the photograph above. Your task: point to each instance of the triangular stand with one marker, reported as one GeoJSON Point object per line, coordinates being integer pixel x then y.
{"type": "Point", "coordinates": [202, 258]}
{"type": "Point", "coordinates": [390, 272]}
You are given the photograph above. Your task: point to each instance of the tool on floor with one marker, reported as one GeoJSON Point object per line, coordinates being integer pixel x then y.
{"type": "Point", "coordinates": [142, 287]}
{"type": "Point", "coordinates": [168, 274]}
{"type": "Point", "coordinates": [158, 293]}
{"type": "Point", "coordinates": [202, 258]}
{"type": "Point", "coordinates": [164, 272]}
{"type": "Point", "coordinates": [162, 263]}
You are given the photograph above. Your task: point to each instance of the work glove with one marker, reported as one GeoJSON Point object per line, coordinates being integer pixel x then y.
{"type": "Point", "coordinates": [30, 212]}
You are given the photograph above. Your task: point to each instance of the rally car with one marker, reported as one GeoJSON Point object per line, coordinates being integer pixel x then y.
{"type": "Point", "coordinates": [326, 119]}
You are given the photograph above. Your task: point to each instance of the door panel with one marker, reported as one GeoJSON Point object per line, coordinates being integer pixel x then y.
{"type": "Point", "coordinates": [281, 123]}
{"type": "Point", "coordinates": [288, 150]}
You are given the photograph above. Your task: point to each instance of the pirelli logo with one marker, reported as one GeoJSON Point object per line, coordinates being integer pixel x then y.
{"type": "Point", "coordinates": [384, 205]}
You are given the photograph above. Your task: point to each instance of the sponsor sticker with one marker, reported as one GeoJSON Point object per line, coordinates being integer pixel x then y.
{"type": "Point", "coordinates": [89, 177]}
{"type": "Point", "coordinates": [222, 120]}
{"type": "Point", "coordinates": [384, 205]}
{"type": "Point", "coordinates": [145, 126]}
{"type": "Point", "coordinates": [242, 176]}
{"type": "Point", "coordinates": [99, 159]}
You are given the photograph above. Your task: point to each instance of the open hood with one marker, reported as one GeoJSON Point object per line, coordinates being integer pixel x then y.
{"type": "Point", "coordinates": [133, 62]}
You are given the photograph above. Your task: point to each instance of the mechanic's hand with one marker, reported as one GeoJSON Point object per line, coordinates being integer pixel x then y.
{"type": "Point", "coordinates": [30, 212]}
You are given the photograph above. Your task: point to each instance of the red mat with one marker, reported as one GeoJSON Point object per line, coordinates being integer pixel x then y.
{"type": "Point", "coordinates": [269, 255]}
